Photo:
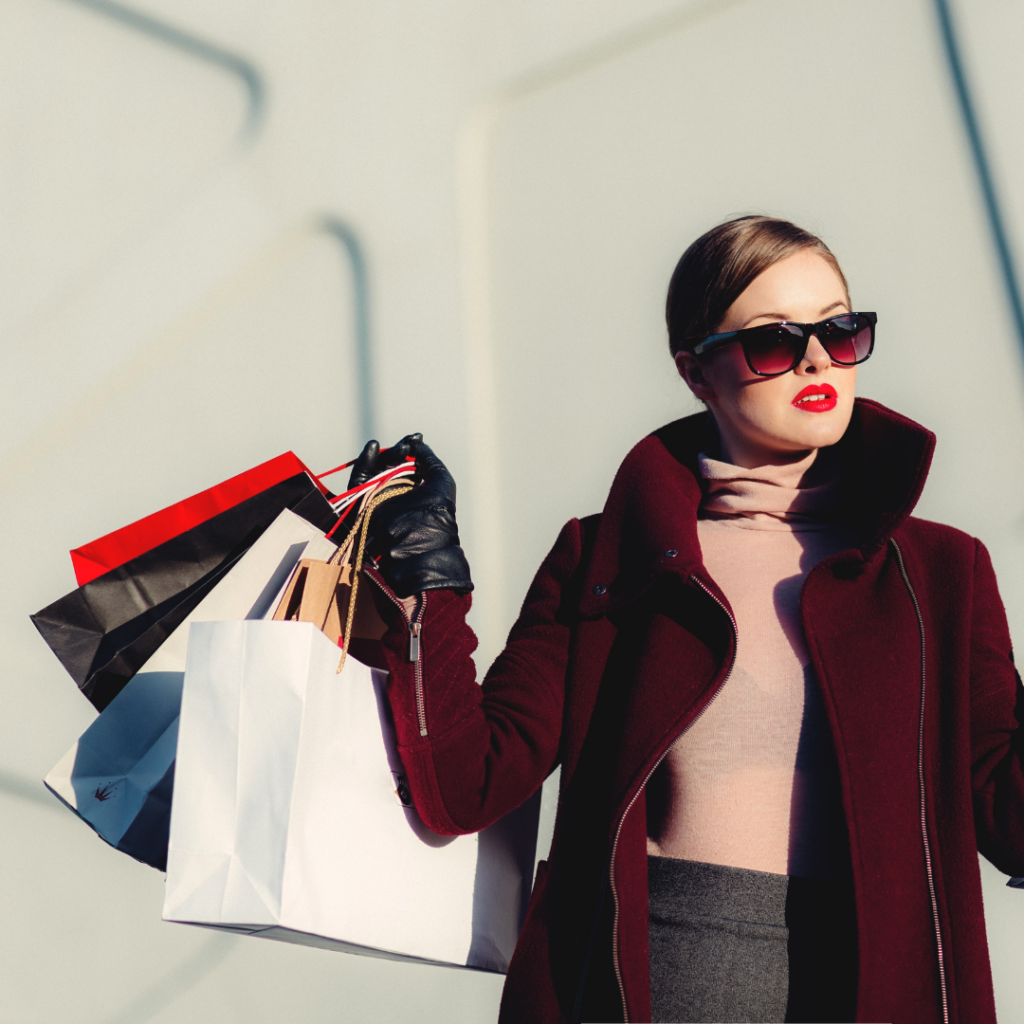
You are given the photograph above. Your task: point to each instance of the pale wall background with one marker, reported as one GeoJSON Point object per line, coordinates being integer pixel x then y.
{"type": "Point", "coordinates": [233, 227]}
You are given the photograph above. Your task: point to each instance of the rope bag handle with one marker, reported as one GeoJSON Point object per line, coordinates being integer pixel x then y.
{"type": "Point", "coordinates": [362, 526]}
{"type": "Point", "coordinates": [344, 503]}
{"type": "Point", "coordinates": [364, 498]}
{"type": "Point", "coordinates": [343, 554]}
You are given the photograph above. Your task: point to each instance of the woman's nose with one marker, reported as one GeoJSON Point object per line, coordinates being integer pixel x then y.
{"type": "Point", "coordinates": [815, 359]}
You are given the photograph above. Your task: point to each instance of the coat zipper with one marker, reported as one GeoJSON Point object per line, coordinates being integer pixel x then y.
{"type": "Point", "coordinates": [647, 777]}
{"type": "Point", "coordinates": [415, 625]}
{"type": "Point", "coordinates": [940, 954]}
{"type": "Point", "coordinates": [416, 657]}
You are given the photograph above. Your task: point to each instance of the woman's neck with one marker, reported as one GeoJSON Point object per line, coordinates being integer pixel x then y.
{"type": "Point", "coordinates": [750, 456]}
{"type": "Point", "coordinates": [748, 452]}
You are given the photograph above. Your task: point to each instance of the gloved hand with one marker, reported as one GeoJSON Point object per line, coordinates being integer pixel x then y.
{"type": "Point", "coordinates": [371, 461]}
{"type": "Point", "coordinates": [415, 534]}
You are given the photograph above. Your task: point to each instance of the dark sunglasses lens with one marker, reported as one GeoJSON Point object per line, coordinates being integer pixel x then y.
{"type": "Point", "coordinates": [847, 339]}
{"type": "Point", "coordinates": [772, 350]}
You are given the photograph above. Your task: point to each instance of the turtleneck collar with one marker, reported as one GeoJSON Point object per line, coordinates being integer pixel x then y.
{"type": "Point", "coordinates": [649, 523]}
{"type": "Point", "coordinates": [801, 495]}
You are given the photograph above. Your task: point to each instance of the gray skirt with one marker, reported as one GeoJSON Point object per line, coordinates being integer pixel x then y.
{"type": "Point", "coordinates": [728, 944]}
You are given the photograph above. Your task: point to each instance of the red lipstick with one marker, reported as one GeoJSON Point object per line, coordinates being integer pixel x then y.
{"type": "Point", "coordinates": [817, 398]}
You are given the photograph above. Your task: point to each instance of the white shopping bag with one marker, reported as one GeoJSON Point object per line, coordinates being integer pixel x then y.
{"type": "Point", "coordinates": [119, 776]}
{"type": "Point", "coordinates": [292, 820]}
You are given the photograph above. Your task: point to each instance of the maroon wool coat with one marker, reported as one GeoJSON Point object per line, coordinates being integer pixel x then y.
{"type": "Point", "coordinates": [624, 637]}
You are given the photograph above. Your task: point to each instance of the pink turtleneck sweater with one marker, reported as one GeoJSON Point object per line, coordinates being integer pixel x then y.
{"type": "Point", "coordinates": [752, 783]}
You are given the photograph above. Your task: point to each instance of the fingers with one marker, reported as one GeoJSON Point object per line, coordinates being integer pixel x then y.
{"type": "Point", "coordinates": [434, 474]}
{"type": "Point", "coordinates": [372, 460]}
{"type": "Point", "coordinates": [398, 453]}
{"type": "Point", "coordinates": [365, 466]}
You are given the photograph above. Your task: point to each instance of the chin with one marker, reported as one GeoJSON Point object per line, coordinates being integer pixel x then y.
{"type": "Point", "coordinates": [827, 429]}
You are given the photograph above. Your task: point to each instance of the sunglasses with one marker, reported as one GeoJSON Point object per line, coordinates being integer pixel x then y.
{"type": "Point", "coordinates": [773, 349]}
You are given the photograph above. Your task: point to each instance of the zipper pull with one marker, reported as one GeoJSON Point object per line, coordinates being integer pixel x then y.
{"type": "Point", "coordinates": [414, 641]}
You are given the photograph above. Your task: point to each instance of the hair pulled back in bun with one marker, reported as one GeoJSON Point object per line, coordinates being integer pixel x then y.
{"type": "Point", "coordinates": [713, 272]}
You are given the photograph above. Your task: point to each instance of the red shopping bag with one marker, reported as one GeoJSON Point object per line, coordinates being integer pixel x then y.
{"type": "Point", "coordinates": [121, 546]}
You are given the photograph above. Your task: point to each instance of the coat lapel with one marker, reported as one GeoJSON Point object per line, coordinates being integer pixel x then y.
{"type": "Point", "coordinates": [647, 576]}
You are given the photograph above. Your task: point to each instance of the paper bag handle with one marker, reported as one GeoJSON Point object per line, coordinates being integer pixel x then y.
{"type": "Point", "coordinates": [362, 524]}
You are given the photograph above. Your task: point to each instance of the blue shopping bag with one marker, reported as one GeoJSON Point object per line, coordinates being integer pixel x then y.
{"type": "Point", "coordinates": [119, 776]}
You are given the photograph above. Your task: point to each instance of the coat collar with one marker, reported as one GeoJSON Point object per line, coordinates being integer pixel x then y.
{"type": "Point", "coordinates": [649, 523]}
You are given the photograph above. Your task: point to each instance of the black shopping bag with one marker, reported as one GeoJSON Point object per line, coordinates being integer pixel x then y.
{"type": "Point", "coordinates": [105, 631]}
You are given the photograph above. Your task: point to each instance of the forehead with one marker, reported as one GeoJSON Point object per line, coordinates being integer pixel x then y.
{"type": "Point", "coordinates": [800, 286]}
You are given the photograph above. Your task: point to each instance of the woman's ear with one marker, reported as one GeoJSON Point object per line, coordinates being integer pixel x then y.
{"type": "Point", "coordinates": [693, 373]}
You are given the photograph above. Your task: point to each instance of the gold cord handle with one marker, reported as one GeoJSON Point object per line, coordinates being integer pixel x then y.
{"type": "Point", "coordinates": [363, 526]}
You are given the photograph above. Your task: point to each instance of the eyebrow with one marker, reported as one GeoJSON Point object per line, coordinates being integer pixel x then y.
{"type": "Point", "coordinates": [779, 317]}
{"type": "Point", "coordinates": [833, 306]}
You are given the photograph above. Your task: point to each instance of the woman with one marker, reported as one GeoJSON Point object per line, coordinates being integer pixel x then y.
{"type": "Point", "coordinates": [785, 710]}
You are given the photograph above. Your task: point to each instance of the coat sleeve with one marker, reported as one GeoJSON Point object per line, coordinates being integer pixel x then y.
{"type": "Point", "coordinates": [471, 752]}
{"type": "Point", "coordinates": [997, 740]}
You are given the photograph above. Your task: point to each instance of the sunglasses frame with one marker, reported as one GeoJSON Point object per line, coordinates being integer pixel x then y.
{"type": "Point", "coordinates": [805, 331]}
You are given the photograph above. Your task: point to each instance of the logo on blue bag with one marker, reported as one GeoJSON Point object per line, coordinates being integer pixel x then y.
{"type": "Point", "coordinates": [104, 793]}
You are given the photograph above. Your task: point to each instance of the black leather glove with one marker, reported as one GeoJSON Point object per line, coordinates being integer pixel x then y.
{"type": "Point", "coordinates": [415, 534]}
{"type": "Point", "coordinates": [372, 461]}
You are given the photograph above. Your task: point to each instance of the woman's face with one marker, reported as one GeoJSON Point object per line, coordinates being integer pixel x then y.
{"type": "Point", "coordinates": [760, 419]}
